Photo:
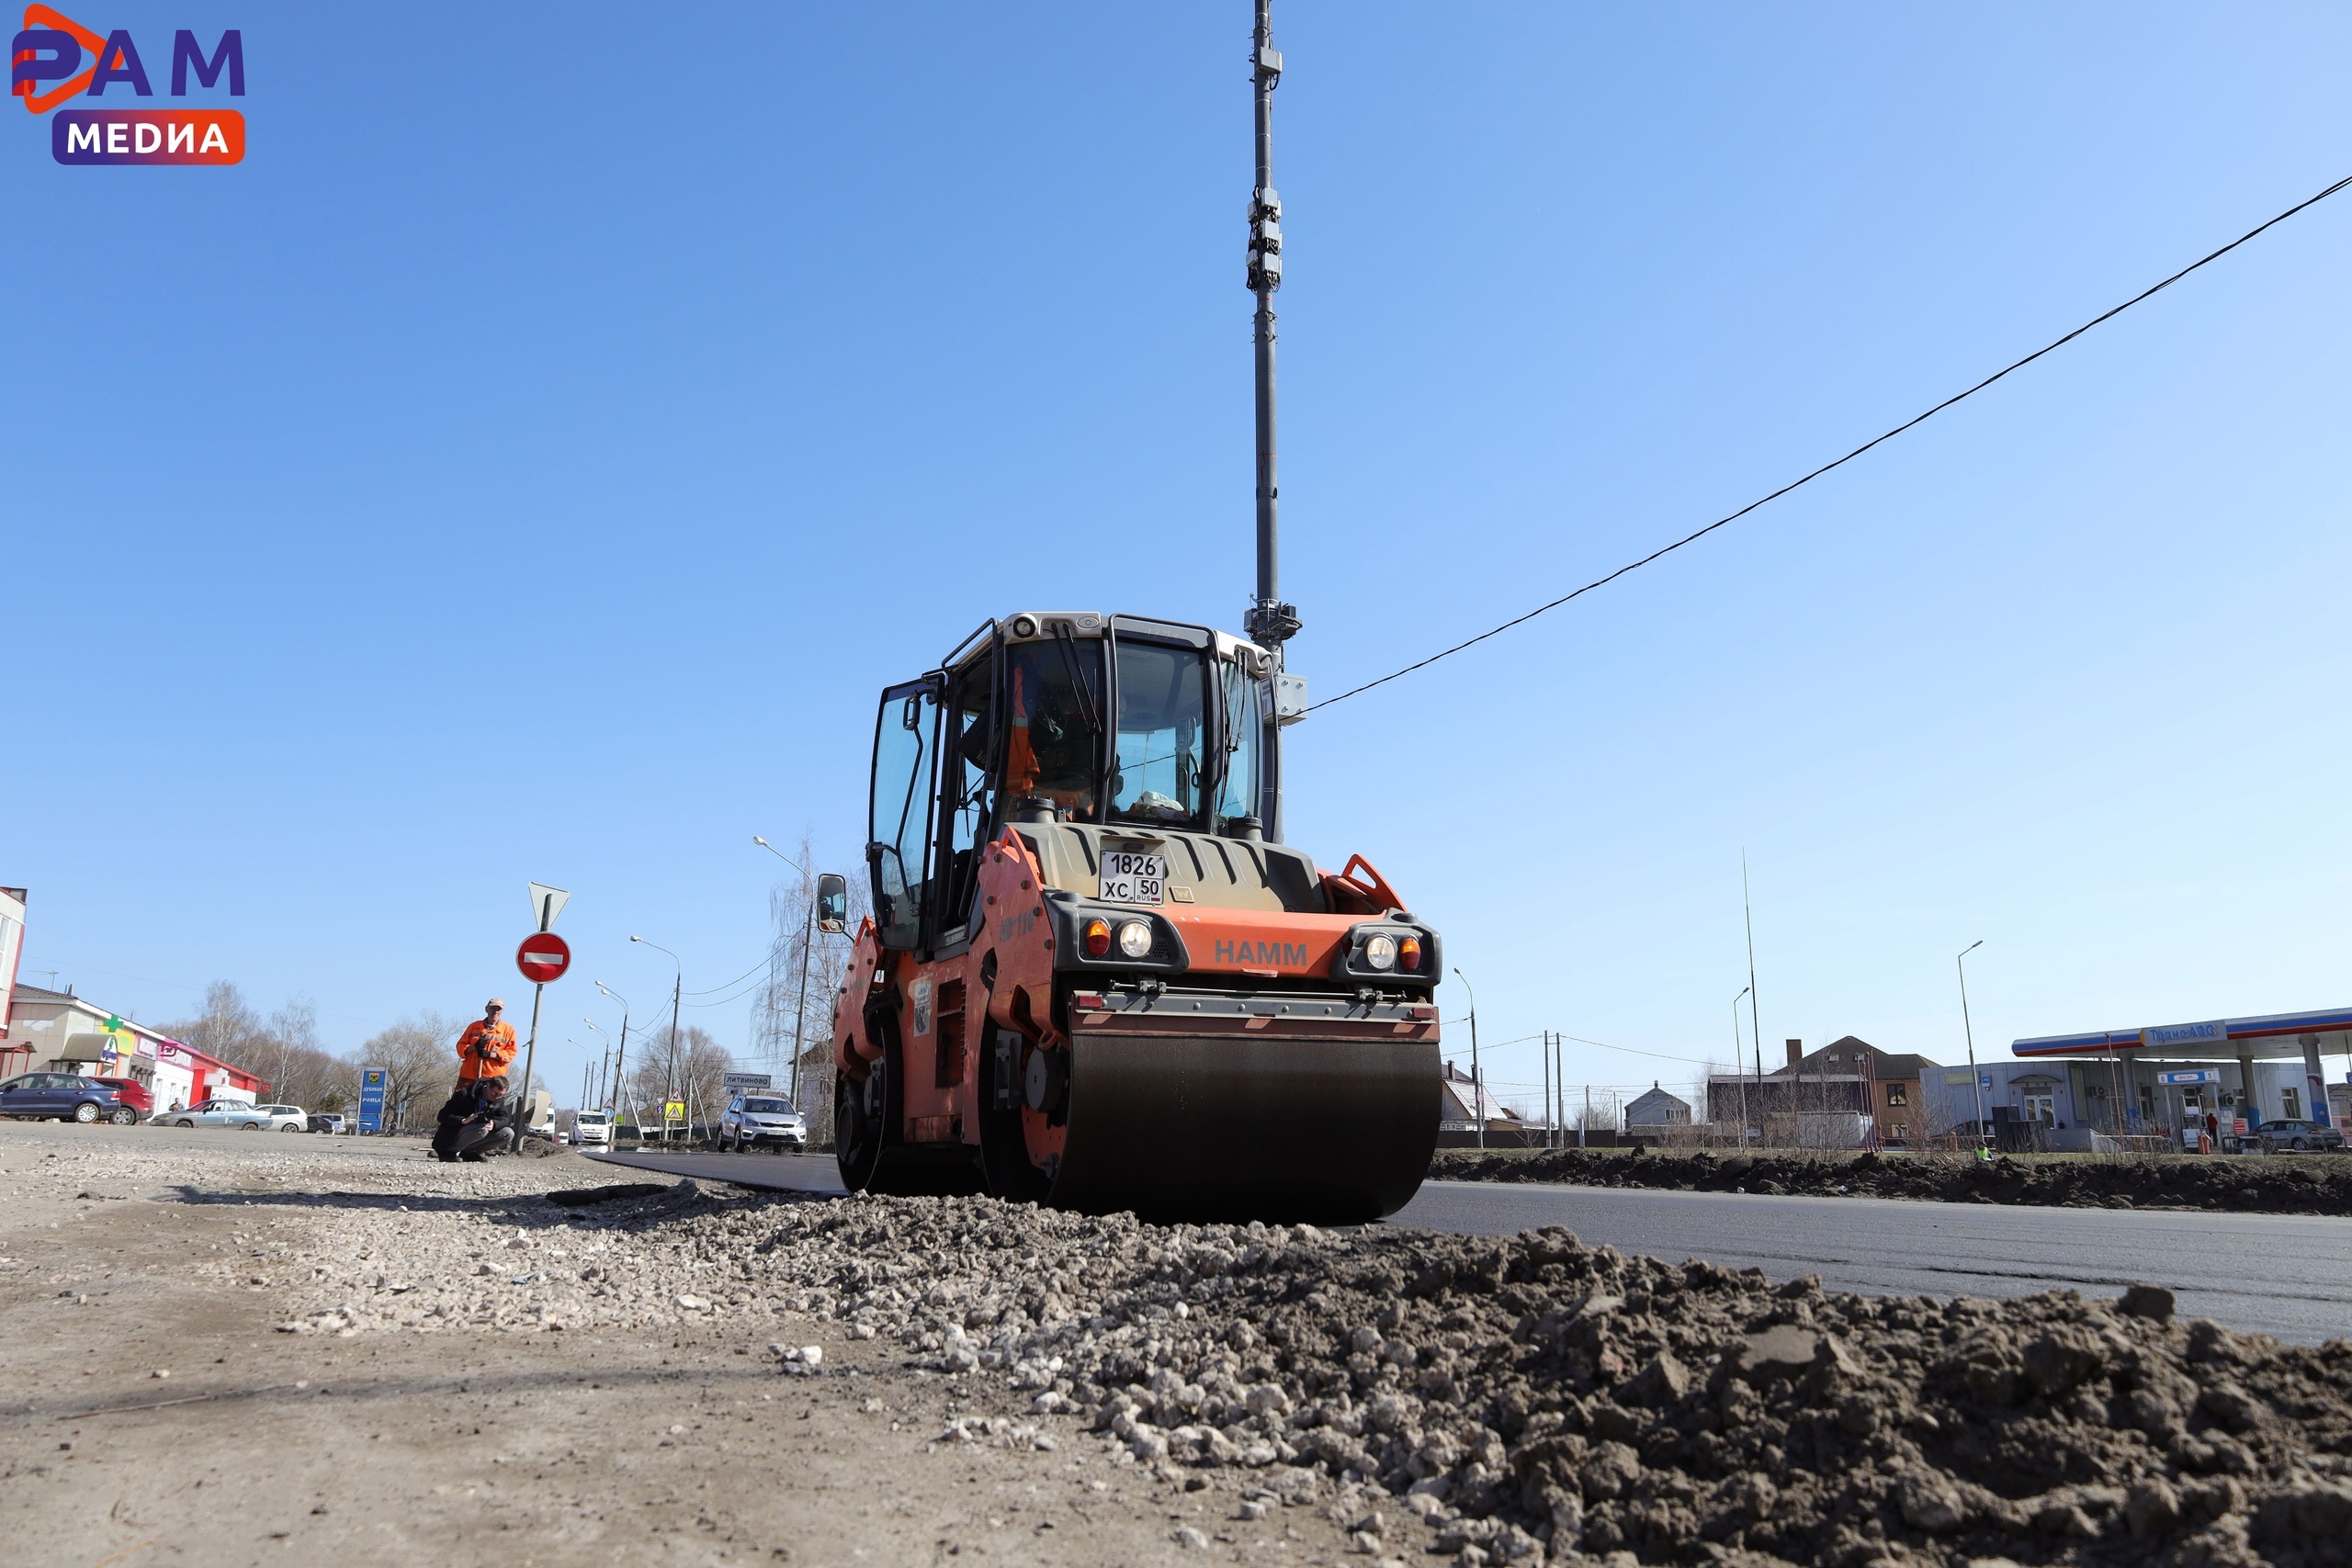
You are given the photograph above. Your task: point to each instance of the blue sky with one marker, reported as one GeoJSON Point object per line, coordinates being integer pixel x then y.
{"type": "Point", "coordinates": [531, 461]}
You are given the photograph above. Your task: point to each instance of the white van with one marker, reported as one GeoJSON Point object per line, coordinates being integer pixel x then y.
{"type": "Point", "coordinates": [593, 1129]}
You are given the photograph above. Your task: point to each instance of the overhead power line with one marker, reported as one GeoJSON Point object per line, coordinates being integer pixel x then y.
{"type": "Point", "coordinates": [1841, 462]}
{"type": "Point", "coordinates": [1632, 1052]}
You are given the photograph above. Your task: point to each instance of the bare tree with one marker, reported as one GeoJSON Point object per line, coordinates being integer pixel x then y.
{"type": "Point", "coordinates": [693, 1072]}
{"type": "Point", "coordinates": [419, 1055]}
{"type": "Point", "coordinates": [228, 1029]}
{"type": "Point", "coordinates": [778, 1007]}
{"type": "Point", "coordinates": [292, 1032]}
{"type": "Point", "coordinates": [1600, 1116]}
{"type": "Point", "coordinates": [309, 1077]}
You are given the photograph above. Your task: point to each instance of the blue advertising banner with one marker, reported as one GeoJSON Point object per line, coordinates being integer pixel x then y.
{"type": "Point", "coordinates": [371, 1100]}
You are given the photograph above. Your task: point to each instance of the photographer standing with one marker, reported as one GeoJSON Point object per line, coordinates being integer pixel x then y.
{"type": "Point", "coordinates": [486, 1047]}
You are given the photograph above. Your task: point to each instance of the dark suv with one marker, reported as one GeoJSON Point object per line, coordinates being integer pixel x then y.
{"type": "Point", "coordinates": [67, 1097]}
{"type": "Point", "coordinates": [2296, 1135]}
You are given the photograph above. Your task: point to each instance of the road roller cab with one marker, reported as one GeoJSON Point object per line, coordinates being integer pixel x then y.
{"type": "Point", "coordinates": [1094, 976]}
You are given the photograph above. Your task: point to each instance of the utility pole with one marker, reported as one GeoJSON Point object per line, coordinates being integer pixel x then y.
{"type": "Point", "coordinates": [1584, 1129]}
{"type": "Point", "coordinates": [1477, 1090]}
{"type": "Point", "coordinates": [1739, 1070]}
{"type": "Point", "coordinates": [1976, 1083]}
{"type": "Point", "coordinates": [677, 994]}
{"type": "Point", "coordinates": [620, 1065]}
{"type": "Point", "coordinates": [1271, 623]}
{"type": "Point", "coordinates": [1754, 1030]}
{"type": "Point", "coordinates": [1547, 1088]}
{"type": "Point", "coordinates": [1560, 1080]}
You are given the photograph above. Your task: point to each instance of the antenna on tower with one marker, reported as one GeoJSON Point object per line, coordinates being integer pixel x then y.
{"type": "Point", "coordinates": [1271, 623]}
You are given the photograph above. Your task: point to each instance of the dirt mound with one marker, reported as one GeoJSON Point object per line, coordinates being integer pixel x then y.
{"type": "Point", "coordinates": [2301, 1184]}
{"type": "Point", "coordinates": [1524, 1400]}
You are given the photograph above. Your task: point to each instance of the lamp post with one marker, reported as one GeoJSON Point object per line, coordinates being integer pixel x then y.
{"type": "Point", "coordinates": [603, 1061]}
{"type": "Point", "coordinates": [1976, 1083]}
{"type": "Point", "coordinates": [677, 993]}
{"type": "Point", "coordinates": [1740, 1067]}
{"type": "Point", "coordinates": [1477, 1091]}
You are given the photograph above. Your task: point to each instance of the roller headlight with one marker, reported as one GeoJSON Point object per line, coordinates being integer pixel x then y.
{"type": "Point", "coordinates": [1134, 939]}
{"type": "Point", "coordinates": [1097, 936]}
{"type": "Point", "coordinates": [1380, 951]}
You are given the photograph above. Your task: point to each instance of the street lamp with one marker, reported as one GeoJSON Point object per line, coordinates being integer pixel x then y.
{"type": "Point", "coordinates": [1739, 1067]}
{"type": "Point", "coordinates": [677, 993]}
{"type": "Point", "coordinates": [1477, 1092]}
{"type": "Point", "coordinates": [1976, 1083]}
{"type": "Point", "coordinates": [620, 1058]}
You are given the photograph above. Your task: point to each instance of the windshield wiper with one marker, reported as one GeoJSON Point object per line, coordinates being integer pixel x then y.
{"type": "Point", "coordinates": [1068, 643]}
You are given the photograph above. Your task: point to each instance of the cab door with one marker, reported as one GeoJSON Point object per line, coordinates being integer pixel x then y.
{"type": "Point", "coordinates": [897, 837]}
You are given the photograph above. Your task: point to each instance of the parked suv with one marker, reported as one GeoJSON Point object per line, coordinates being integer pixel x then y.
{"type": "Point", "coordinates": [68, 1096]}
{"type": "Point", "coordinates": [329, 1122]}
{"type": "Point", "coordinates": [2296, 1135]}
{"type": "Point", "coordinates": [756, 1121]}
{"type": "Point", "coordinates": [133, 1094]}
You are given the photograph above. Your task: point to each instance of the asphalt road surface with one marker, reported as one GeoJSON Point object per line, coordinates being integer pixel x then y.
{"type": "Point", "coordinates": [2271, 1273]}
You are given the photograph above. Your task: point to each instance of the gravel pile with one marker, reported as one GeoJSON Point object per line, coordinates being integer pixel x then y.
{"type": "Point", "coordinates": [1528, 1400]}
{"type": "Point", "coordinates": [2298, 1184]}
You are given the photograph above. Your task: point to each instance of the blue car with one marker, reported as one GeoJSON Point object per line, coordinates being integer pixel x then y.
{"type": "Point", "coordinates": [68, 1096]}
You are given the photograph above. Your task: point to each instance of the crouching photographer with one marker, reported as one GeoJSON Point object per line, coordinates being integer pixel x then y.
{"type": "Point", "coordinates": [474, 1118]}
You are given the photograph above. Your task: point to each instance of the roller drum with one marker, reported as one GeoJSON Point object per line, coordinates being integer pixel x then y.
{"type": "Point", "coordinates": [1285, 1128]}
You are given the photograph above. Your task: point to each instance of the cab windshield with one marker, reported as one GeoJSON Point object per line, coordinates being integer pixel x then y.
{"type": "Point", "coordinates": [1160, 769]}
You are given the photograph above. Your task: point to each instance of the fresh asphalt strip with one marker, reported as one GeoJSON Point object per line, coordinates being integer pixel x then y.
{"type": "Point", "coordinates": [2281, 1274]}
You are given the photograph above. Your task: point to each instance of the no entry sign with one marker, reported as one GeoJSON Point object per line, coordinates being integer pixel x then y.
{"type": "Point", "coordinates": [543, 957]}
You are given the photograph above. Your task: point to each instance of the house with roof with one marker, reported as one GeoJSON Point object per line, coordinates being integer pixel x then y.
{"type": "Point", "coordinates": [1657, 1109]}
{"type": "Point", "coordinates": [1456, 1112]}
{"type": "Point", "coordinates": [1850, 1081]}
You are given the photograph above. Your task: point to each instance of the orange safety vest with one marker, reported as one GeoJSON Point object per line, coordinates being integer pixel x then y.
{"type": "Point", "coordinates": [483, 1051]}
{"type": "Point", "coordinates": [1020, 759]}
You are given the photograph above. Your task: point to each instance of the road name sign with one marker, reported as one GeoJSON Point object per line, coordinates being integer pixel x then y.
{"type": "Point", "coordinates": [543, 957]}
{"type": "Point", "coordinates": [746, 1081]}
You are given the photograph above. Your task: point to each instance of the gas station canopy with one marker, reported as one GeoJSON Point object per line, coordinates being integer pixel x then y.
{"type": "Point", "coordinates": [2283, 1035]}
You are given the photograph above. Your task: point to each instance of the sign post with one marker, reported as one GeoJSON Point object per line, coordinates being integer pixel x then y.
{"type": "Point", "coordinates": [371, 1100]}
{"type": "Point", "coordinates": [543, 957]}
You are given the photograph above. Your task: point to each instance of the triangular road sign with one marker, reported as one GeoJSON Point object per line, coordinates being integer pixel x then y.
{"type": "Point", "coordinates": [546, 903]}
